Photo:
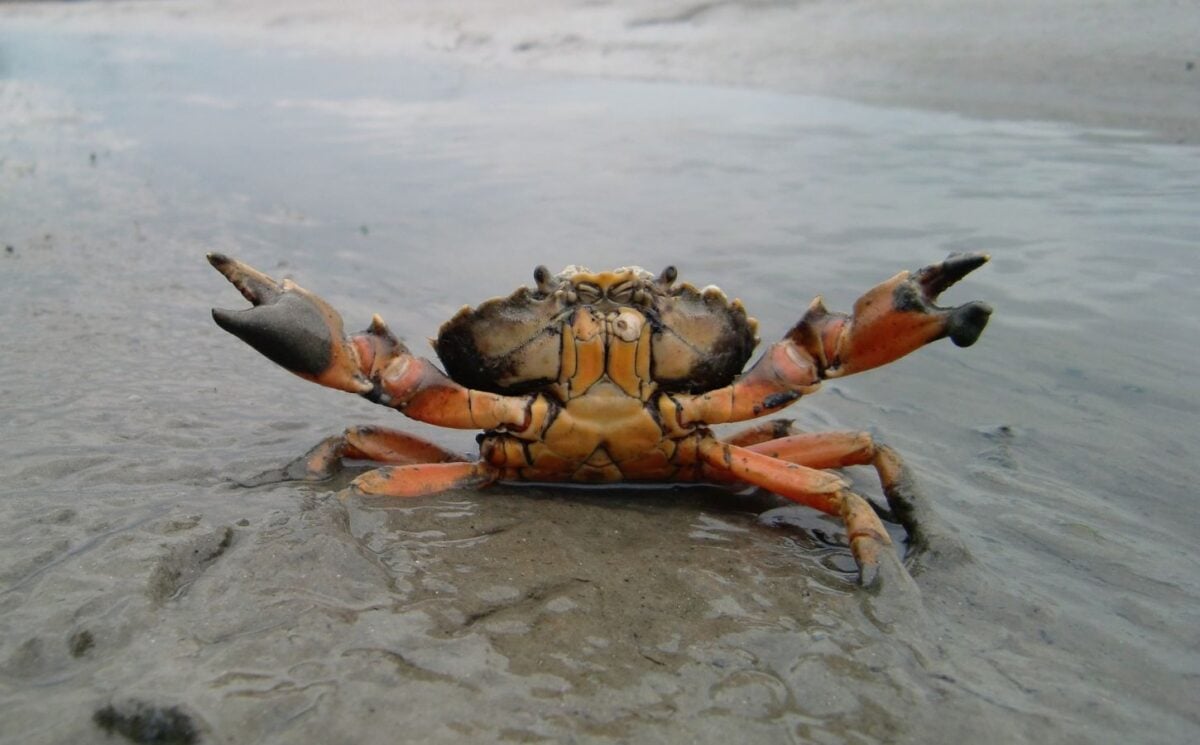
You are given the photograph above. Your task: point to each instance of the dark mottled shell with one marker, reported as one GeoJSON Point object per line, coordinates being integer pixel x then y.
{"type": "Point", "coordinates": [701, 341]}
{"type": "Point", "coordinates": [513, 345]}
{"type": "Point", "coordinates": [506, 345]}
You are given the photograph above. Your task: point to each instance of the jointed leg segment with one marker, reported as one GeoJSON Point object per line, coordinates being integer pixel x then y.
{"type": "Point", "coordinates": [841, 449]}
{"type": "Point", "coordinates": [423, 479]}
{"type": "Point", "coordinates": [379, 444]}
{"type": "Point", "coordinates": [808, 486]}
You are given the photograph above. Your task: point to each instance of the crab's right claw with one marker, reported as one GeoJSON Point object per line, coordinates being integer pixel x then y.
{"type": "Point", "coordinates": [292, 327]}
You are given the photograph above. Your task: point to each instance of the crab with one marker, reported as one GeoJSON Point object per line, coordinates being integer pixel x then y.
{"type": "Point", "coordinates": [612, 376]}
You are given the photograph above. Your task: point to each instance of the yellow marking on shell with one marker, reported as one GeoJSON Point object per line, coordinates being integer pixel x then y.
{"type": "Point", "coordinates": [652, 465]}
{"type": "Point", "coordinates": [589, 354]}
{"type": "Point", "coordinates": [539, 411]}
{"type": "Point", "coordinates": [604, 280]}
{"type": "Point", "coordinates": [627, 329]}
{"type": "Point", "coordinates": [570, 360]}
{"type": "Point", "coordinates": [599, 458]}
{"type": "Point", "coordinates": [607, 475]}
{"type": "Point", "coordinates": [607, 417]}
{"type": "Point", "coordinates": [641, 363]}
{"type": "Point", "coordinates": [569, 365]}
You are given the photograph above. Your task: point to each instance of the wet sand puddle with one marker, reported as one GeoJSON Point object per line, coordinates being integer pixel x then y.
{"type": "Point", "coordinates": [138, 580]}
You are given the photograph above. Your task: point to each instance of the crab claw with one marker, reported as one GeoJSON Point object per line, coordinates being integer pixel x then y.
{"type": "Point", "coordinates": [290, 326]}
{"type": "Point", "coordinates": [892, 319]}
{"type": "Point", "coordinates": [965, 323]}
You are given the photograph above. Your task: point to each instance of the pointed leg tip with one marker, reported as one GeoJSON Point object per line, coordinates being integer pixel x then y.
{"type": "Point", "coordinates": [369, 483]}
{"type": "Point", "coordinates": [967, 322]}
{"type": "Point", "coordinates": [868, 576]}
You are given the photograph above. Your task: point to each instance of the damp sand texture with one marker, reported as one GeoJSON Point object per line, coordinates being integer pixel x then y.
{"type": "Point", "coordinates": [145, 594]}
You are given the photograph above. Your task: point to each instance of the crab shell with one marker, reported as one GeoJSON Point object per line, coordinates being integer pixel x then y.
{"type": "Point", "coordinates": [699, 339]}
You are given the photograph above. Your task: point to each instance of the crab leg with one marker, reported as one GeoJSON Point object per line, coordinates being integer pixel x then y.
{"type": "Point", "coordinates": [840, 449]}
{"type": "Point", "coordinates": [423, 479]}
{"type": "Point", "coordinates": [759, 433]}
{"type": "Point", "coordinates": [821, 449]}
{"type": "Point", "coordinates": [302, 333]}
{"type": "Point", "coordinates": [889, 321]}
{"type": "Point", "coordinates": [379, 444]}
{"type": "Point", "coordinates": [818, 489]}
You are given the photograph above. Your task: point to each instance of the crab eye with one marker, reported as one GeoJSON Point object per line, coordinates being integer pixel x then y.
{"type": "Point", "coordinates": [545, 284]}
{"type": "Point", "coordinates": [622, 293]}
{"type": "Point", "coordinates": [588, 293]}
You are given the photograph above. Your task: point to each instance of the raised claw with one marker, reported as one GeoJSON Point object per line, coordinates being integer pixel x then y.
{"type": "Point", "coordinates": [290, 326]}
{"type": "Point", "coordinates": [892, 319]}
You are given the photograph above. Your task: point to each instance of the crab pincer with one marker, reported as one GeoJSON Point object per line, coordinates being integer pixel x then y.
{"type": "Point", "coordinates": [895, 317]}
{"type": "Point", "coordinates": [964, 323]}
{"type": "Point", "coordinates": [290, 326]}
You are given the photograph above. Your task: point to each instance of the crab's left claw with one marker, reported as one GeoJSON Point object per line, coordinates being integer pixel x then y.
{"type": "Point", "coordinates": [892, 319]}
{"type": "Point", "coordinates": [292, 327]}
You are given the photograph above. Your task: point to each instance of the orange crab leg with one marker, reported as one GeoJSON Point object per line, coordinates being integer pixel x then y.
{"type": "Point", "coordinates": [301, 332]}
{"type": "Point", "coordinates": [818, 489]}
{"type": "Point", "coordinates": [423, 479]}
{"type": "Point", "coordinates": [889, 321]}
{"type": "Point", "coordinates": [379, 444]}
{"type": "Point", "coordinates": [821, 449]}
{"type": "Point", "coordinates": [393, 446]}
{"type": "Point", "coordinates": [841, 449]}
{"type": "Point", "coordinates": [421, 391]}
{"type": "Point", "coordinates": [759, 433]}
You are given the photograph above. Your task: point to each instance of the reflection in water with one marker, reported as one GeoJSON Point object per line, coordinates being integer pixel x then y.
{"type": "Point", "coordinates": [1058, 448]}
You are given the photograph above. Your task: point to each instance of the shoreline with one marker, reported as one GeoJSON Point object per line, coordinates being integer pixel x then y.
{"type": "Point", "coordinates": [1112, 66]}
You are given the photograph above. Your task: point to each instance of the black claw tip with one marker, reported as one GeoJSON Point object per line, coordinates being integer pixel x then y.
{"type": "Point", "coordinates": [937, 278]}
{"type": "Point", "coordinates": [290, 332]}
{"type": "Point", "coordinates": [218, 260]}
{"type": "Point", "coordinates": [967, 322]}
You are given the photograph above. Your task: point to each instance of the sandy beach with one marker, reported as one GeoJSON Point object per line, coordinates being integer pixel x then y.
{"type": "Point", "coordinates": [1125, 65]}
{"type": "Point", "coordinates": [409, 158]}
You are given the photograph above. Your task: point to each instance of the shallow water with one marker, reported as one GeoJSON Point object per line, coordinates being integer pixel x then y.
{"type": "Point", "coordinates": [134, 569]}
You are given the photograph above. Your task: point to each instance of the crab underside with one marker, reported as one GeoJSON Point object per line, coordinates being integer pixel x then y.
{"type": "Point", "coordinates": [600, 377]}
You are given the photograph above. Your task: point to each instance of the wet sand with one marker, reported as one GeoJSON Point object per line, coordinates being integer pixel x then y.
{"type": "Point", "coordinates": [140, 584]}
{"type": "Point", "coordinates": [1113, 64]}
